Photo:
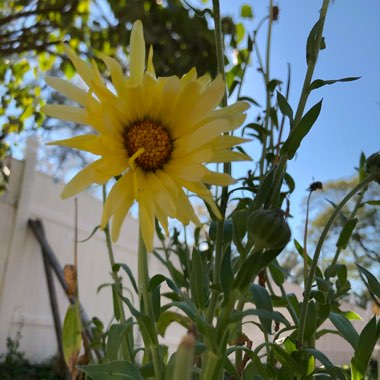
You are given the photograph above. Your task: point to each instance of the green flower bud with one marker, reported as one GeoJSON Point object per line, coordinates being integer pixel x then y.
{"type": "Point", "coordinates": [268, 229]}
{"type": "Point", "coordinates": [373, 165]}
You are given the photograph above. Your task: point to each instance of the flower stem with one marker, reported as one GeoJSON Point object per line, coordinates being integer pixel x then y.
{"type": "Point", "coordinates": [147, 305]}
{"type": "Point", "coordinates": [115, 277]}
{"type": "Point", "coordinates": [226, 168]}
{"type": "Point", "coordinates": [314, 264]}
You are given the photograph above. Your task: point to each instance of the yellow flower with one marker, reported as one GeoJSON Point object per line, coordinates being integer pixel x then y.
{"type": "Point", "coordinates": [157, 133]}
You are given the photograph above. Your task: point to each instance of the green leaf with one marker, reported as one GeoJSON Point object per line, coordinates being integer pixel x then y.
{"type": "Point", "coordinates": [311, 45]}
{"type": "Point", "coordinates": [116, 370]}
{"type": "Point", "coordinates": [117, 266]}
{"type": "Point", "coordinates": [345, 328]}
{"type": "Point", "coordinates": [145, 323]}
{"type": "Point", "coordinates": [337, 373]}
{"type": "Point", "coordinates": [71, 336]}
{"type": "Point", "coordinates": [364, 349]}
{"type": "Point", "coordinates": [262, 300]}
{"type": "Point", "coordinates": [90, 236]}
{"type": "Point", "coordinates": [373, 283]}
{"type": "Point", "coordinates": [116, 305]}
{"type": "Point", "coordinates": [275, 315]}
{"type": "Point", "coordinates": [311, 317]}
{"type": "Point", "coordinates": [298, 133]}
{"type": "Point", "coordinates": [373, 203]}
{"type": "Point", "coordinates": [284, 106]}
{"type": "Point", "coordinates": [226, 273]}
{"type": "Point", "coordinates": [198, 278]}
{"type": "Point", "coordinates": [246, 11]}
{"type": "Point", "coordinates": [286, 360]}
{"type": "Point", "coordinates": [239, 227]}
{"type": "Point", "coordinates": [276, 272]}
{"type": "Point", "coordinates": [116, 334]}
{"type": "Point", "coordinates": [168, 317]}
{"type": "Point", "coordinates": [319, 82]}
{"type": "Point", "coordinates": [346, 233]}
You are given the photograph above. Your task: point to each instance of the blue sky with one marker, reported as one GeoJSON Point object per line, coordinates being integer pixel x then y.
{"type": "Point", "coordinates": [349, 120]}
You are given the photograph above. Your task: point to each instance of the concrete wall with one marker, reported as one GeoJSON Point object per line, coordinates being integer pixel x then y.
{"type": "Point", "coordinates": [24, 299]}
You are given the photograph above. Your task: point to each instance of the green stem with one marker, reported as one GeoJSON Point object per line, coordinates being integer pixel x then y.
{"type": "Point", "coordinates": [226, 169]}
{"type": "Point", "coordinates": [314, 264]}
{"type": "Point", "coordinates": [352, 215]}
{"type": "Point", "coordinates": [305, 266]}
{"type": "Point", "coordinates": [146, 303]}
{"type": "Point", "coordinates": [115, 277]}
{"type": "Point", "coordinates": [268, 98]}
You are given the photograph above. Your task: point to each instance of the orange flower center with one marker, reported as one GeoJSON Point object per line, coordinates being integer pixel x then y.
{"type": "Point", "coordinates": [155, 141]}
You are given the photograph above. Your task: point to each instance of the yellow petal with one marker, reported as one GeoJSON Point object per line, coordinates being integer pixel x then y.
{"type": "Point", "coordinates": [228, 156]}
{"type": "Point", "coordinates": [137, 56]}
{"type": "Point", "coordinates": [83, 68]}
{"type": "Point", "coordinates": [81, 181]}
{"type": "Point", "coordinates": [68, 113]}
{"type": "Point", "coordinates": [182, 168]}
{"type": "Point", "coordinates": [150, 66]}
{"type": "Point", "coordinates": [121, 213]}
{"type": "Point", "coordinates": [194, 140]}
{"type": "Point", "coordinates": [68, 89]}
{"type": "Point", "coordinates": [186, 211]}
{"type": "Point", "coordinates": [146, 219]}
{"type": "Point", "coordinates": [217, 179]}
{"type": "Point", "coordinates": [227, 141]}
{"type": "Point", "coordinates": [88, 143]}
{"type": "Point", "coordinates": [116, 72]}
{"type": "Point", "coordinates": [123, 189]}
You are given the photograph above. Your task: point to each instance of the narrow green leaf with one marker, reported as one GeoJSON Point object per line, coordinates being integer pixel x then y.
{"type": "Point", "coordinates": [90, 236]}
{"type": "Point", "coordinates": [373, 283]}
{"type": "Point", "coordinates": [286, 360]}
{"type": "Point", "coordinates": [363, 352]}
{"type": "Point", "coordinates": [275, 315]}
{"type": "Point", "coordinates": [298, 133]}
{"type": "Point", "coordinates": [71, 336]}
{"type": "Point", "coordinates": [262, 300]}
{"type": "Point", "coordinates": [168, 317]}
{"type": "Point", "coordinates": [311, 47]}
{"type": "Point", "coordinates": [346, 233]}
{"type": "Point", "coordinates": [319, 82]}
{"type": "Point", "coordinates": [284, 106]}
{"type": "Point", "coordinates": [198, 280]}
{"type": "Point", "coordinates": [226, 273]}
{"type": "Point", "coordinates": [239, 226]}
{"type": "Point", "coordinates": [345, 328]}
{"type": "Point", "coordinates": [117, 266]}
{"type": "Point", "coordinates": [116, 370]}
{"type": "Point", "coordinates": [116, 334]}
{"type": "Point", "coordinates": [116, 305]}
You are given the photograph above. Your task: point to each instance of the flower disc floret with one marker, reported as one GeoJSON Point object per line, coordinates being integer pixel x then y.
{"type": "Point", "coordinates": [152, 140]}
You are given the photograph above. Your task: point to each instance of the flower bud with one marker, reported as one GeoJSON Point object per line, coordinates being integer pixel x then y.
{"type": "Point", "coordinates": [373, 165]}
{"type": "Point", "coordinates": [268, 229]}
